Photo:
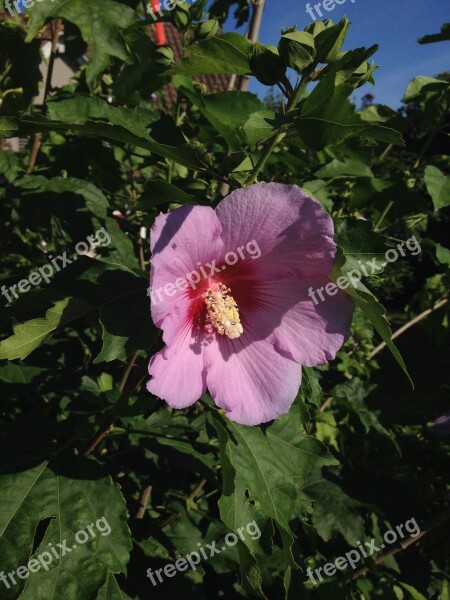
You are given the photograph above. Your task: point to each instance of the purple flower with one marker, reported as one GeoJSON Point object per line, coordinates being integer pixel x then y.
{"type": "Point", "coordinates": [440, 427]}
{"type": "Point", "coordinates": [243, 330]}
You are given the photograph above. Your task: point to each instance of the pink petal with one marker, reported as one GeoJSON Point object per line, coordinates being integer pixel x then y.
{"type": "Point", "coordinates": [286, 314]}
{"type": "Point", "coordinates": [250, 380]}
{"type": "Point", "coordinates": [291, 229]}
{"type": "Point", "coordinates": [181, 242]}
{"type": "Point", "coordinates": [177, 371]}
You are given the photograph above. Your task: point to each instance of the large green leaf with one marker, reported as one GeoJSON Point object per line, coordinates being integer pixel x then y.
{"type": "Point", "coordinates": [101, 24]}
{"type": "Point", "coordinates": [93, 117]}
{"type": "Point", "coordinates": [226, 111]}
{"type": "Point", "coordinates": [264, 473]}
{"type": "Point", "coordinates": [60, 497]}
{"type": "Point", "coordinates": [329, 120]}
{"type": "Point", "coordinates": [227, 53]}
{"type": "Point", "coordinates": [335, 512]}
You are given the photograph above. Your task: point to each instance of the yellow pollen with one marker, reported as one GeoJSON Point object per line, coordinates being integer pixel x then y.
{"type": "Point", "coordinates": [223, 312]}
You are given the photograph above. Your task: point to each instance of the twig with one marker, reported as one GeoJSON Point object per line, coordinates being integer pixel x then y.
{"type": "Point", "coordinates": [438, 520]}
{"type": "Point", "coordinates": [174, 516]}
{"type": "Point", "coordinates": [114, 413]}
{"type": "Point", "coordinates": [143, 501]}
{"type": "Point", "coordinates": [127, 371]}
{"type": "Point", "coordinates": [37, 139]}
{"type": "Point", "coordinates": [409, 325]}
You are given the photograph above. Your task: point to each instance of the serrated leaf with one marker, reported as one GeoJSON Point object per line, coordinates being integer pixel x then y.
{"type": "Point", "coordinates": [263, 473]}
{"type": "Point", "coordinates": [92, 117]}
{"type": "Point", "coordinates": [227, 53]}
{"type": "Point", "coordinates": [101, 24]}
{"type": "Point", "coordinates": [362, 247]}
{"type": "Point", "coordinates": [68, 495]}
{"type": "Point", "coordinates": [438, 186]}
{"type": "Point", "coordinates": [334, 512]}
{"type": "Point", "coordinates": [330, 120]}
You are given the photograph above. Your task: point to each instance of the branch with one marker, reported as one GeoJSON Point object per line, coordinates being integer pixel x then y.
{"type": "Point", "coordinates": [409, 325]}
{"type": "Point", "coordinates": [438, 520]}
{"type": "Point", "coordinates": [174, 516]}
{"type": "Point", "coordinates": [115, 411]}
{"type": "Point", "coordinates": [143, 502]}
{"type": "Point", "coordinates": [48, 84]}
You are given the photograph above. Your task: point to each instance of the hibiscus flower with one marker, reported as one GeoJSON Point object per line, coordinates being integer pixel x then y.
{"type": "Point", "coordinates": [243, 328]}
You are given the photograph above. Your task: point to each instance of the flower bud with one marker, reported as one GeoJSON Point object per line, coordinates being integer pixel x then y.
{"type": "Point", "coordinates": [329, 42]}
{"type": "Point", "coordinates": [164, 56]}
{"type": "Point", "coordinates": [207, 29]}
{"type": "Point", "coordinates": [181, 16]}
{"type": "Point", "coordinates": [296, 49]}
{"type": "Point", "coordinates": [266, 64]}
{"type": "Point", "coordinates": [315, 28]}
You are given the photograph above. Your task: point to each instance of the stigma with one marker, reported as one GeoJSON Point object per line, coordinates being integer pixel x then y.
{"type": "Point", "coordinates": [223, 312]}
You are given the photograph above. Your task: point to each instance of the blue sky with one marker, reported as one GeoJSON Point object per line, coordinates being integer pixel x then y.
{"type": "Point", "coordinates": [393, 24]}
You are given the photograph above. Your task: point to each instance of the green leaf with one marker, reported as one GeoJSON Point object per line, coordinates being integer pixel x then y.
{"type": "Point", "coordinates": [351, 252]}
{"type": "Point", "coordinates": [111, 590]}
{"type": "Point", "coordinates": [227, 53]}
{"type": "Point", "coordinates": [335, 512]}
{"type": "Point", "coordinates": [438, 186]}
{"type": "Point", "coordinates": [264, 472]}
{"type": "Point", "coordinates": [66, 496]}
{"type": "Point", "coordinates": [161, 192]}
{"type": "Point", "coordinates": [376, 313]}
{"type": "Point", "coordinates": [420, 86]}
{"type": "Point", "coordinates": [415, 594]}
{"type": "Point", "coordinates": [92, 117]}
{"type": "Point", "coordinates": [326, 121]}
{"type": "Point", "coordinates": [10, 165]}
{"type": "Point", "coordinates": [19, 374]}
{"type": "Point", "coordinates": [227, 112]}
{"type": "Point", "coordinates": [259, 126]}
{"type": "Point", "coordinates": [349, 167]}
{"type": "Point", "coordinates": [329, 42]}
{"type": "Point", "coordinates": [443, 254]}
{"type": "Point", "coordinates": [101, 24]}
{"type": "Point", "coordinates": [351, 395]}
{"type": "Point", "coordinates": [437, 37]}
{"type": "Point", "coordinates": [31, 334]}
{"type": "Point", "coordinates": [360, 244]}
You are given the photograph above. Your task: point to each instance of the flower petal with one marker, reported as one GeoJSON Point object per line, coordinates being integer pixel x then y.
{"type": "Point", "coordinates": [293, 232]}
{"type": "Point", "coordinates": [285, 313]}
{"type": "Point", "coordinates": [177, 371]}
{"type": "Point", "coordinates": [250, 380]}
{"type": "Point", "coordinates": [181, 242]}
